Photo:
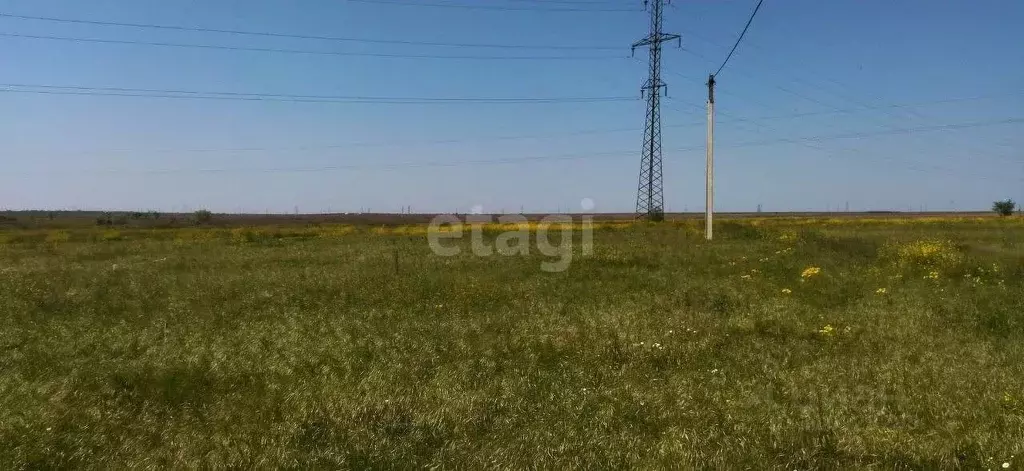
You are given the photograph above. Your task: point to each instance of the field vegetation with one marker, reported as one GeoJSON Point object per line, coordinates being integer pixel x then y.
{"type": "Point", "coordinates": [786, 343]}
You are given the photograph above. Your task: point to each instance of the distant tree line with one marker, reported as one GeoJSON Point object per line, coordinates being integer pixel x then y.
{"type": "Point", "coordinates": [111, 219]}
{"type": "Point", "coordinates": [202, 216]}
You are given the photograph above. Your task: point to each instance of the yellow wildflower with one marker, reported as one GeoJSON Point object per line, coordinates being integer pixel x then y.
{"type": "Point", "coordinates": [881, 291]}
{"type": "Point", "coordinates": [927, 253]}
{"type": "Point", "coordinates": [827, 330]}
{"type": "Point", "coordinates": [786, 291]}
{"type": "Point", "coordinates": [809, 272]}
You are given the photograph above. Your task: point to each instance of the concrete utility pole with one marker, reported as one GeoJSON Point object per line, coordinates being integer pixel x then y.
{"type": "Point", "coordinates": [709, 196]}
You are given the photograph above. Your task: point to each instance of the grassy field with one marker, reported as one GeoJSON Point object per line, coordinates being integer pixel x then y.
{"type": "Point", "coordinates": [786, 343]}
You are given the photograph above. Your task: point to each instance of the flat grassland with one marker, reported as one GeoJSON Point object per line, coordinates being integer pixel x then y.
{"type": "Point", "coordinates": [786, 343]}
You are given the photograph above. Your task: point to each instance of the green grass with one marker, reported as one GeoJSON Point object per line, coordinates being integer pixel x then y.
{"type": "Point", "coordinates": [139, 350]}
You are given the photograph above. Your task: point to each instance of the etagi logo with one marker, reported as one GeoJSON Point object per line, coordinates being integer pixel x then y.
{"type": "Point", "coordinates": [515, 235]}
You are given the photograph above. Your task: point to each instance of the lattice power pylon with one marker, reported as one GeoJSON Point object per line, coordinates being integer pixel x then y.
{"type": "Point", "coordinates": [650, 197]}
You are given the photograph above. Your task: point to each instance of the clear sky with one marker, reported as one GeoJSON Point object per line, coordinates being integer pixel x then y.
{"type": "Point", "coordinates": [950, 72]}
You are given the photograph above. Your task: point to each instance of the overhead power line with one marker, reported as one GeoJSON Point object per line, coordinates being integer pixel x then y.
{"type": "Point", "coordinates": [301, 51]}
{"type": "Point", "coordinates": [862, 108]}
{"type": "Point", "coordinates": [496, 7]}
{"type": "Point", "coordinates": [456, 163]}
{"type": "Point", "coordinates": [884, 132]}
{"type": "Point", "coordinates": [299, 36]}
{"type": "Point", "coordinates": [802, 82]}
{"type": "Point", "coordinates": [574, 155]}
{"type": "Point", "coordinates": [583, 132]}
{"type": "Point", "coordinates": [571, 2]}
{"type": "Point", "coordinates": [220, 95]}
{"type": "Point", "coordinates": [743, 33]}
{"type": "Point", "coordinates": [351, 145]}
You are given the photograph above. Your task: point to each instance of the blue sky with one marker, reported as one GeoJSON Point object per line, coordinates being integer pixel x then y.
{"type": "Point", "coordinates": [861, 69]}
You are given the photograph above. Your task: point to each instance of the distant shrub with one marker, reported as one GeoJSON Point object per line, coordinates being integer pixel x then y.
{"type": "Point", "coordinates": [203, 216]}
{"type": "Point", "coordinates": [1004, 208]}
{"type": "Point", "coordinates": [104, 219]}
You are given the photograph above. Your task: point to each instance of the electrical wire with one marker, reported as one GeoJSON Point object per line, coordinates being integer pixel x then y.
{"type": "Point", "coordinates": [301, 51]}
{"type": "Point", "coordinates": [297, 36]}
{"type": "Point", "coordinates": [807, 141]}
{"type": "Point", "coordinates": [832, 109]}
{"type": "Point", "coordinates": [571, 2]}
{"type": "Point", "coordinates": [496, 7]}
{"type": "Point", "coordinates": [734, 46]}
{"type": "Point", "coordinates": [390, 143]}
{"type": "Point", "coordinates": [889, 110]}
{"type": "Point", "coordinates": [403, 165]}
{"type": "Point", "coordinates": [866, 107]}
{"type": "Point", "coordinates": [884, 132]}
{"type": "Point", "coordinates": [220, 95]}
{"type": "Point", "coordinates": [579, 155]}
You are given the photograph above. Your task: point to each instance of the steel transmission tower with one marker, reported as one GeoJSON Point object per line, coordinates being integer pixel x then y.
{"type": "Point", "coordinates": [650, 193]}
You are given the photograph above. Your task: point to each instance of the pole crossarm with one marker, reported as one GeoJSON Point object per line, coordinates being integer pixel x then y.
{"type": "Point", "coordinates": [663, 38]}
